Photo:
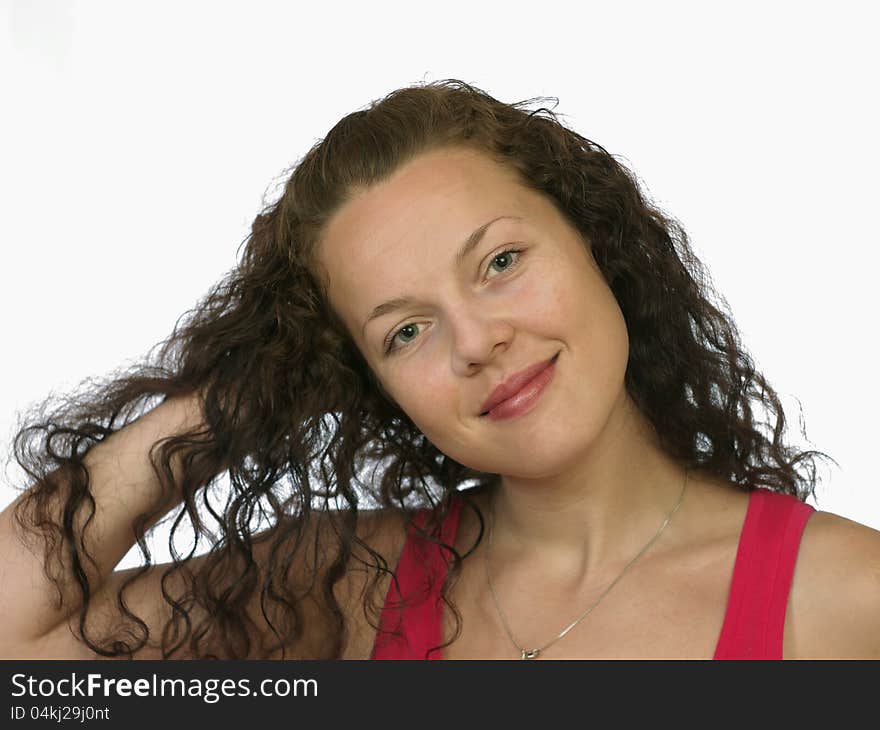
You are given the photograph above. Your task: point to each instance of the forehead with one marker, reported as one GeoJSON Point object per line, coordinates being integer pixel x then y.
{"type": "Point", "coordinates": [375, 246]}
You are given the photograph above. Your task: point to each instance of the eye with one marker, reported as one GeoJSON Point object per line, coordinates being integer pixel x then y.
{"type": "Point", "coordinates": [510, 255]}
{"type": "Point", "coordinates": [389, 342]}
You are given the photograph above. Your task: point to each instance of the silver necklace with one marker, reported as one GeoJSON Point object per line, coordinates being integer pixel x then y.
{"type": "Point", "coordinates": [534, 653]}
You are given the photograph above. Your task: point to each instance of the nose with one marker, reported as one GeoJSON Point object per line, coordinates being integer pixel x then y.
{"type": "Point", "coordinates": [478, 337]}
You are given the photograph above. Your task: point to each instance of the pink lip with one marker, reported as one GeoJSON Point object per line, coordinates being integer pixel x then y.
{"type": "Point", "coordinates": [518, 393]}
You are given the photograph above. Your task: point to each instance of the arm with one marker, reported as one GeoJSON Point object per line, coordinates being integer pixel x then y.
{"type": "Point", "coordinates": [123, 486]}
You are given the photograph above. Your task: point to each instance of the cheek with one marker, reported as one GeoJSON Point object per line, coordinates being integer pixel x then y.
{"type": "Point", "coordinates": [543, 301]}
{"type": "Point", "coordinates": [594, 330]}
{"type": "Point", "coordinates": [605, 341]}
{"type": "Point", "coordinates": [427, 397]}
{"type": "Point", "coordinates": [432, 401]}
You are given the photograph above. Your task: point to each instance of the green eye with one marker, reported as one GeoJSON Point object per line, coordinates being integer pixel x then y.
{"type": "Point", "coordinates": [503, 254]}
{"type": "Point", "coordinates": [390, 341]}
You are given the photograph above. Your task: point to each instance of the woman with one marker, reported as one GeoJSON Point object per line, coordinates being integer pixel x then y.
{"type": "Point", "coordinates": [479, 390]}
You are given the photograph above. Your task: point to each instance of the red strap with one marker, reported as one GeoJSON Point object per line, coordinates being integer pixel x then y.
{"type": "Point", "coordinates": [421, 570]}
{"type": "Point", "coordinates": [765, 559]}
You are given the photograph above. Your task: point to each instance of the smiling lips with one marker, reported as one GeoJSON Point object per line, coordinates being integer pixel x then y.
{"type": "Point", "coordinates": [519, 392]}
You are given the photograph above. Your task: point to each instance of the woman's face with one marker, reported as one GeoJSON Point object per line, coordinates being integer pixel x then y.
{"type": "Point", "coordinates": [527, 290]}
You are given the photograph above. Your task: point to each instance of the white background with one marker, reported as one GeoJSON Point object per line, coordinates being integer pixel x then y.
{"type": "Point", "coordinates": [137, 141]}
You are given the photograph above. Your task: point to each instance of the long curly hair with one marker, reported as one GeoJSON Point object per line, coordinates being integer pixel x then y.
{"type": "Point", "coordinates": [297, 421]}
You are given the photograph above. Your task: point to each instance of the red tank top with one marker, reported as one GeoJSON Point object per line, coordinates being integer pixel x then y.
{"type": "Point", "coordinates": [753, 622]}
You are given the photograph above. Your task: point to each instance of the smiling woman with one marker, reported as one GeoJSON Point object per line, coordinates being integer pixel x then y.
{"type": "Point", "coordinates": [477, 303]}
{"type": "Point", "coordinates": [479, 322]}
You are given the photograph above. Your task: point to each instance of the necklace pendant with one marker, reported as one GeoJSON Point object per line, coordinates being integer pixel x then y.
{"type": "Point", "coordinates": [530, 653]}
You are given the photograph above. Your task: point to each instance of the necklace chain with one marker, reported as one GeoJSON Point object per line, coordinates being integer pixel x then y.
{"type": "Point", "coordinates": [534, 653]}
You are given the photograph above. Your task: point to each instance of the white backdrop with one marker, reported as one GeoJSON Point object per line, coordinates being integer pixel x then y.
{"type": "Point", "coordinates": [137, 142]}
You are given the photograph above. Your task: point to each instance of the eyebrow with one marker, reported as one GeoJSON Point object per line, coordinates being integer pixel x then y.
{"type": "Point", "coordinates": [469, 245]}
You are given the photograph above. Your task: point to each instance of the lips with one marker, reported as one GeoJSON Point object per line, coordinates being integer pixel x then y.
{"type": "Point", "coordinates": [514, 384]}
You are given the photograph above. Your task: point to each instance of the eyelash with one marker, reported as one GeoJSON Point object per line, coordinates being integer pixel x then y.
{"type": "Point", "coordinates": [389, 341]}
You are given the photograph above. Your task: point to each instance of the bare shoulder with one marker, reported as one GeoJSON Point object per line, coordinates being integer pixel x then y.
{"type": "Point", "coordinates": [382, 533]}
{"type": "Point", "coordinates": [834, 604]}
{"type": "Point", "coordinates": [380, 536]}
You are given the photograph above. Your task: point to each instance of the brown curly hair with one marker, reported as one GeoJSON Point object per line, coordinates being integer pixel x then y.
{"type": "Point", "coordinates": [296, 418]}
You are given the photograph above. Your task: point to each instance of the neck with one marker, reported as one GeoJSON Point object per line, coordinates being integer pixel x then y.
{"type": "Point", "coordinates": [597, 512]}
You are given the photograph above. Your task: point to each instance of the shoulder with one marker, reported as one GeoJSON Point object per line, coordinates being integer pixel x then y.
{"type": "Point", "coordinates": [834, 604]}
{"type": "Point", "coordinates": [378, 535]}
{"type": "Point", "coordinates": [376, 542]}
{"type": "Point", "coordinates": [381, 536]}
{"type": "Point", "coordinates": [299, 554]}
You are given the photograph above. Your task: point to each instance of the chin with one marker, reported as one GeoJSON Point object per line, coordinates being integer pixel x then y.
{"type": "Point", "coordinates": [541, 458]}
